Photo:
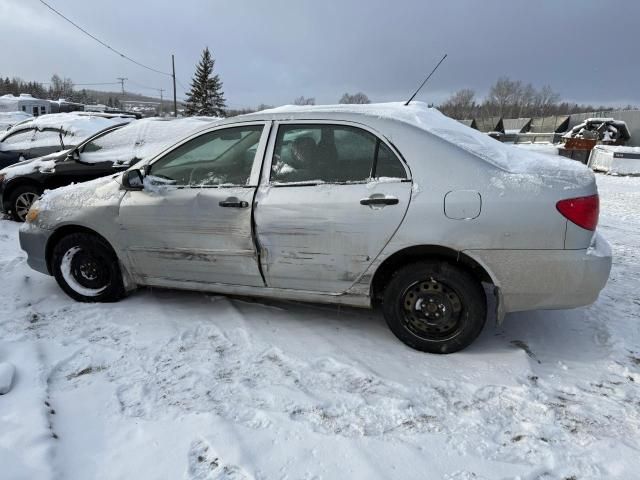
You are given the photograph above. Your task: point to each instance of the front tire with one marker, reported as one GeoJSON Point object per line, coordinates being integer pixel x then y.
{"type": "Point", "coordinates": [435, 307]}
{"type": "Point", "coordinates": [21, 200]}
{"type": "Point", "coordinates": [87, 269]}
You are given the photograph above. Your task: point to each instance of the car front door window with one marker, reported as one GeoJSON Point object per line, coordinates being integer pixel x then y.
{"type": "Point", "coordinates": [218, 158]}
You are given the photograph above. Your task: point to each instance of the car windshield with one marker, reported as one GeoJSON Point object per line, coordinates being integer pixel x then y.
{"type": "Point", "coordinates": [139, 140]}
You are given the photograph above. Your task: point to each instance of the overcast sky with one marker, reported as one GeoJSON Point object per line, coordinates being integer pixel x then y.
{"type": "Point", "coordinates": [273, 51]}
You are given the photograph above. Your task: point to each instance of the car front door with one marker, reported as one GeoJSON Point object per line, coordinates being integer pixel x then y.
{"type": "Point", "coordinates": [333, 196]}
{"type": "Point", "coordinates": [192, 221]}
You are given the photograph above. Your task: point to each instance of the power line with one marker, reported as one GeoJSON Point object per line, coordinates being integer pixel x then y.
{"type": "Point", "coordinates": [126, 57]}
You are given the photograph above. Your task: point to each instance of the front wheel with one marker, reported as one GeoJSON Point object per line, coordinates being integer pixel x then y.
{"type": "Point", "coordinates": [435, 307]}
{"type": "Point", "coordinates": [21, 200]}
{"type": "Point", "coordinates": [87, 269]}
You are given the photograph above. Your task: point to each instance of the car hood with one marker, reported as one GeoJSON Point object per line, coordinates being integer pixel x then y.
{"type": "Point", "coordinates": [63, 205]}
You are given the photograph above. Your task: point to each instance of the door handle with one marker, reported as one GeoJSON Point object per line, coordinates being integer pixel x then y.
{"type": "Point", "coordinates": [233, 202]}
{"type": "Point", "coordinates": [379, 201]}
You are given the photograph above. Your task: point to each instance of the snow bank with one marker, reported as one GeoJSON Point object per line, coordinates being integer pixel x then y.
{"type": "Point", "coordinates": [418, 114]}
{"type": "Point", "coordinates": [615, 160]}
{"type": "Point", "coordinates": [141, 140]}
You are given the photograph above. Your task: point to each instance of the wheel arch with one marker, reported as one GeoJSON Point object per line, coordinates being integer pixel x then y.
{"type": "Point", "coordinates": [65, 230]}
{"type": "Point", "coordinates": [415, 253]}
{"type": "Point", "coordinates": [12, 186]}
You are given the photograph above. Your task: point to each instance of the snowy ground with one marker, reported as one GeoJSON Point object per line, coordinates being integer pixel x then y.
{"type": "Point", "coordinates": [169, 385]}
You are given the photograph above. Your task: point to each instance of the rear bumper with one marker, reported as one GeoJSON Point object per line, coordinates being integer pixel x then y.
{"type": "Point", "coordinates": [33, 240]}
{"type": "Point", "coordinates": [548, 279]}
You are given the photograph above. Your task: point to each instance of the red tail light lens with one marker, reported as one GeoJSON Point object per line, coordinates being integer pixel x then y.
{"type": "Point", "coordinates": [583, 211]}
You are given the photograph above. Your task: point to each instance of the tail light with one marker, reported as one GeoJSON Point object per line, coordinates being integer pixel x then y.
{"type": "Point", "coordinates": [583, 211]}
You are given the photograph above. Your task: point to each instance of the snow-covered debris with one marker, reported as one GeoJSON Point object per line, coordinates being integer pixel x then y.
{"type": "Point", "coordinates": [141, 140]}
{"type": "Point", "coordinates": [615, 160]}
{"type": "Point", "coordinates": [418, 114]}
{"type": "Point", "coordinates": [606, 130]}
{"type": "Point", "coordinates": [7, 372]}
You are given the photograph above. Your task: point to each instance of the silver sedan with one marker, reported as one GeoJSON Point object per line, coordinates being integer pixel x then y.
{"type": "Point", "coordinates": [378, 205]}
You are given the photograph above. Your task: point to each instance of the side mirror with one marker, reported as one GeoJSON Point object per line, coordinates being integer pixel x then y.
{"type": "Point", "coordinates": [75, 154]}
{"type": "Point", "coordinates": [132, 180]}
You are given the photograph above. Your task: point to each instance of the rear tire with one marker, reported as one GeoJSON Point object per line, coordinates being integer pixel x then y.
{"type": "Point", "coordinates": [87, 269]}
{"type": "Point", "coordinates": [435, 307]}
{"type": "Point", "coordinates": [21, 200]}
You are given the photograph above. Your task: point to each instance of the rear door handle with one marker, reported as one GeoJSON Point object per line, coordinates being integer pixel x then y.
{"type": "Point", "coordinates": [233, 202]}
{"type": "Point", "coordinates": [379, 201]}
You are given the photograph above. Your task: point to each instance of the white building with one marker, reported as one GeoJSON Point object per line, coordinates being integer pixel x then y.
{"type": "Point", "coordinates": [24, 103]}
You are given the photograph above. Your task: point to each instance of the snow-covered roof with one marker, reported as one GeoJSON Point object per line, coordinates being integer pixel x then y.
{"type": "Point", "coordinates": [420, 115]}
{"type": "Point", "coordinates": [79, 126]}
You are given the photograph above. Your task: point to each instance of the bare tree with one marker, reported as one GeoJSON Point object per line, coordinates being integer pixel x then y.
{"type": "Point", "coordinates": [546, 99]}
{"type": "Point", "coordinates": [301, 100]}
{"type": "Point", "coordinates": [358, 98]}
{"type": "Point", "coordinates": [60, 88]}
{"type": "Point", "coordinates": [503, 96]}
{"type": "Point", "coordinates": [460, 105]}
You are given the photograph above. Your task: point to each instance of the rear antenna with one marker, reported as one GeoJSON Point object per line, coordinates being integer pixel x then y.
{"type": "Point", "coordinates": [426, 80]}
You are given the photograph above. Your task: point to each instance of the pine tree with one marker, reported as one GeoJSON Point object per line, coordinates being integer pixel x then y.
{"type": "Point", "coordinates": [206, 96]}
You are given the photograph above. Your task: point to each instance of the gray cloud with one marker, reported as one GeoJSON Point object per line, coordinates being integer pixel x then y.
{"type": "Point", "coordinates": [273, 51]}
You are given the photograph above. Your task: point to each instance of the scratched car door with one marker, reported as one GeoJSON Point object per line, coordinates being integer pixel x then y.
{"type": "Point", "coordinates": [192, 221]}
{"type": "Point", "coordinates": [332, 198]}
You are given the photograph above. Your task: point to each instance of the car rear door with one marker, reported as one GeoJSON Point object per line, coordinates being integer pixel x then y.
{"type": "Point", "coordinates": [192, 221]}
{"type": "Point", "coordinates": [332, 196]}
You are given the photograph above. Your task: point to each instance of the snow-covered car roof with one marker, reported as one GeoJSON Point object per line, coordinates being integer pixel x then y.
{"type": "Point", "coordinates": [76, 125]}
{"type": "Point", "coordinates": [420, 115]}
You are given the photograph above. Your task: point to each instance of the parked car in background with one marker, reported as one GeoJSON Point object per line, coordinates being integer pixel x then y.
{"type": "Point", "coordinates": [109, 151]}
{"type": "Point", "coordinates": [365, 205]}
{"type": "Point", "coordinates": [50, 133]}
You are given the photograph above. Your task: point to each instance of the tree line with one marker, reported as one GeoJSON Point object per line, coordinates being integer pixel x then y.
{"type": "Point", "coordinates": [509, 98]}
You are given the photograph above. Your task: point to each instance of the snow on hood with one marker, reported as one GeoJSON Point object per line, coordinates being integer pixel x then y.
{"type": "Point", "coordinates": [141, 140]}
{"type": "Point", "coordinates": [418, 114]}
{"type": "Point", "coordinates": [78, 126]}
{"type": "Point", "coordinates": [61, 202]}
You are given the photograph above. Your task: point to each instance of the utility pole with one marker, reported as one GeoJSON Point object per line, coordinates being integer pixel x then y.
{"type": "Point", "coordinates": [161, 98]}
{"type": "Point", "coordinates": [121, 80]}
{"type": "Point", "coordinates": [175, 101]}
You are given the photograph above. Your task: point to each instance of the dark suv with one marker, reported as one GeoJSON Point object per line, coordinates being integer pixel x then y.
{"type": "Point", "coordinates": [21, 184]}
{"type": "Point", "coordinates": [109, 151]}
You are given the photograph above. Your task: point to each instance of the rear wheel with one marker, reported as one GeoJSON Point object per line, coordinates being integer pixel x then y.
{"type": "Point", "coordinates": [21, 200]}
{"type": "Point", "coordinates": [87, 269]}
{"type": "Point", "coordinates": [435, 307]}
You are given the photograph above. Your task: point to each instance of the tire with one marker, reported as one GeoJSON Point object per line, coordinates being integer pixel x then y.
{"type": "Point", "coordinates": [435, 307]}
{"type": "Point", "coordinates": [21, 200]}
{"type": "Point", "coordinates": [87, 269]}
